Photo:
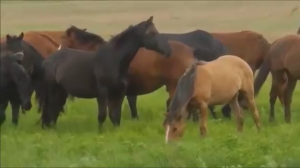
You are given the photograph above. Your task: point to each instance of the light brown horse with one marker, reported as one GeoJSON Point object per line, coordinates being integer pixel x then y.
{"type": "Point", "coordinates": [211, 83]}
{"type": "Point", "coordinates": [283, 61]}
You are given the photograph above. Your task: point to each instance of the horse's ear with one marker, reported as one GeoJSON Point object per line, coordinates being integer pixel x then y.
{"type": "Point", "coordinates": [84, 29]}
{"type": "Point", "coordinates": [8, 37]}
{"type": "Point", "coordinates": [21, 36]}
{"type": "Point", "coordinates": [150, 20]}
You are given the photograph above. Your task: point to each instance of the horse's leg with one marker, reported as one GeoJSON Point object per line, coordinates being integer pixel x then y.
{"type": "Point", "coordinates": [274, 92]}
{"type": "Point", "coordinates": [115, 109]}
{"type": "Point", "coordinates": [234, 105]}
{"type": "Point", "coordinates": [288, 93]}
{"type": "Point", "coordinates": [15, 108]}
{"type": "Point", "coordinates": [61, 98]}
{"type": "Point", "coordinates": [102, 104]}
{"type": "Point", "coordinates": [212, 111]}
{"type": "Point", "coordinates": [45, 116]}
{"type": "Point", "coordinates": [3, 106]}
{"type": "Point", "coordinates": [226, 111]}
{"type": "Point", "coordinates": [132, 105]}
{"type": "Point", "coordinates": [249, 95]}
{"type": "Point", "coordinates": [115, 101]}
{"type": "Point", "coordinates": [203, 117]}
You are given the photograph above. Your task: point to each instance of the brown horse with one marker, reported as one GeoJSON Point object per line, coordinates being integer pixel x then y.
{"type": "Point", "coordinates": [248, 45]}
{"type": "Point", "coordinates": [211, 83]}
{"type": "Point", "coordinates": [283, 61]}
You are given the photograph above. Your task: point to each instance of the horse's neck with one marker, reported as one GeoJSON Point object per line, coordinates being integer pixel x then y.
{"type": "Point", "coordinates": [126, 54]}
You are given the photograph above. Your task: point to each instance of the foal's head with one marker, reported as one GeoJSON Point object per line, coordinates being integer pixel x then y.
{"type": "Point", "coordinates": [144, 34]}
{"type": "Point", "coordinates": [80, 39]}
{"type": "Point", "coordinates": [174, 125]}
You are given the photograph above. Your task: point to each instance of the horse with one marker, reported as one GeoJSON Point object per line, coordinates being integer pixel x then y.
{"type": "Point", "coordinates": [211, 83]}
{"type": "Point", "coordinates": [283, 63]}
{"type": "Point", "coordinates": [15, 85]}
{"type": "Point", "coordinates": [101, 74]}
{"type": "Point", "coordinates": [148, 82]}
{"type": "Point", "coordinates": [251, 46]}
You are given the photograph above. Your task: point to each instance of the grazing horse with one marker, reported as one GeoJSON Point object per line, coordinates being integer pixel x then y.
{"type": "Point", "coordinates": [15, 85]}
{"type": "Point", "coordinates": [283, 61]}
{"type": "Point", "coordinates": [144, 80]}
{"type": "Point", "coordinates": [248, 45]}
{"type": "Point", "coordinates": [211, 83]}
{"type": "Point", "coordinates": [101, 74]}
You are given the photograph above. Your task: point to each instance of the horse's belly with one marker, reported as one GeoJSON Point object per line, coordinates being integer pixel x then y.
{"type": "Point", "coordinates": [224, 91]}
{"type": "Point", "coordinates": [141, 86]}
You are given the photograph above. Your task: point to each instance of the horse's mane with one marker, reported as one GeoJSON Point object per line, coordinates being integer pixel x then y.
{"type": "Point", "coordinates": [84, 36]}
{"type": "Point", "coordinates": [119, 38]}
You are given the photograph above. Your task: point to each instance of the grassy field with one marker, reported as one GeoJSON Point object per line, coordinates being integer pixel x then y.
{"type": "Point", "coordinates": [76, 141]}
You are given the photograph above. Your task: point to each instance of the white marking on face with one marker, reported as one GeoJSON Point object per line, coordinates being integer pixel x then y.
{"type": "Point", "coordinates": [19, 53]}
{"type": "Point", "coordinates": [59, 47]}
{"type": "Point", "coordinates": [167, 134]}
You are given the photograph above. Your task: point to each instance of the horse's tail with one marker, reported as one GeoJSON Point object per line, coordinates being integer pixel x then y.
{"type": "Point", "coordinates": [262, 74]}
{"type": "Point", "coordinates": [184, 90]}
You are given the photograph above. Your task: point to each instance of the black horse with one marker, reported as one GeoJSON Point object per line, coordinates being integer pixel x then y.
{"type": "Point", "coordinates": [101, 74]}
{"type": "Point", "coordinates": [201, 41]}
{"type": "Point", "coordinates": [15, 84]}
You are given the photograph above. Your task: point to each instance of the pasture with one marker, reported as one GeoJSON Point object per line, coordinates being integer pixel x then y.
{"type": "Point", "coordinates": [76, 141]}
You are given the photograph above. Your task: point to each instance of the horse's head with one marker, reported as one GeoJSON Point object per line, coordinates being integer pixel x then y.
{"type": "Point", "coordinates": [147, 32]}
{"type": "Point", "coordinates": [12, 71]}
{"type": "Point", "coordinates": [174, 125]}
{"type": "Point", "coordinates": [14, 46]}
{"type": "Point", "coordinates": [80, 39]}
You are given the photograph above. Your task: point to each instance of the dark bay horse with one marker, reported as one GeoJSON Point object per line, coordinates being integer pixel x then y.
{"type": "Point", "coordinates": [101, 74]}
{"type": "Point", "coordinates": [146, 80]}
{"type": "Point", "coordinates": [211, 83]}
{"type": "Point", "coordinates": [15, 84]}
{"type": "Point", "coordinates": [283, 62]}
{"type": "Point", "coordinates": [248, 45]}
{"type": "Point", "coordinates": [38, 45]}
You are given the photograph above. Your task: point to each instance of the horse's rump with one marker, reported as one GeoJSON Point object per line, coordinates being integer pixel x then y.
{"type": "Point", "coordinates": [249, 45]}
{"type": "Point", "coordinates": [45, 42]}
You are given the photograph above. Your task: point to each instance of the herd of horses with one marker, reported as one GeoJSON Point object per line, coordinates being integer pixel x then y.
{"type": "Point", "coordinates": [199, 70]}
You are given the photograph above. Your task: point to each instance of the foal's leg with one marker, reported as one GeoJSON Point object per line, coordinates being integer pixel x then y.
{"type": "Point", "coordinates": [234, 105]}
{"type": "Point", "coordinates": [3, 106]}
{"type": "Point", "coordinates": [203, 119]}
{"type": "Point", "coordinates": [249, 95]}
{"type": "Point", "coordinates": [132, 105]}
{"type": "Point", "coordinates": [288, 93]}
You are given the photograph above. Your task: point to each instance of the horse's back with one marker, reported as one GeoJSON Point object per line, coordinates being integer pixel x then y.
{"type": "Point", "coordinates": [249, 45]}
{"type": "Point", "coordinates": [223, 78]}
{"type": "Point", "coordinates": [45, 42]}
{"type": "Point", "coordinates": [195, 39]}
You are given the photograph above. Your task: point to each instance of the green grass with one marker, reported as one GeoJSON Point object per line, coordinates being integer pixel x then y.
{"type": "Point", "coordinates": [76, 141]}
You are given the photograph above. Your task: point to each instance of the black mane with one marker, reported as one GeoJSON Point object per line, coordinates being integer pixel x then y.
{"type": "Point", "coordinates": [84, 36]}
{"type": "Point", "coordinates": [121, 37]}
